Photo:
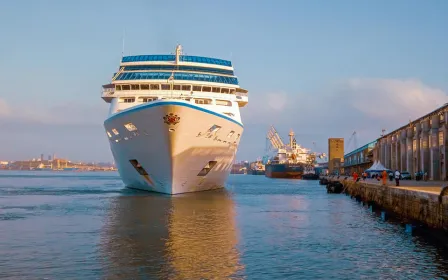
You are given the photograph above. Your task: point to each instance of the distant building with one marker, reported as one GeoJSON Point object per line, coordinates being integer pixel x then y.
{"type": "Point", "coordinates": [321, 168]}
{"type": "Point", "coordinates": [41, 157]}
{"type": "Point", "coordinates": [335, 155]}
{"type": "Point", "coordinates": [359, 159]}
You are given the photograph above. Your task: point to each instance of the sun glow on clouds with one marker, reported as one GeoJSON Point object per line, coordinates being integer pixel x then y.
{"type": "Point", "coordinates": [392, 99]}
{"type": "Point", "coordinates": [276, 101]}
{"type": "Point", "coordinates": [366, 98]}
{"type": "Point", "coordinates": [4, 108]}
{"type": "Point", "coordinates": [364, 105]}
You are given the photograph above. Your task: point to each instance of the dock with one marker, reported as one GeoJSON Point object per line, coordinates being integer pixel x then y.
{"type": "Point", "coordinates": [414, 201]}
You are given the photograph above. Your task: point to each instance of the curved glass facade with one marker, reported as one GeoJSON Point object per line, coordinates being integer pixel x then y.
{"type": "Point", "coordinates": [177, 76]}
{"type": "Point", "coordinates": [201, 59]}
{"type": "Point", "coordinates": [178, 67]}
{"type": "Point", "coordinates": [135, 58]}
{"type": "Point", "coordinates": [170, 57]}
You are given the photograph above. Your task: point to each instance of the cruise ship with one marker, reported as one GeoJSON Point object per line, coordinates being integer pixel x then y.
{"type": "Point", "coordinates": [174, 122]}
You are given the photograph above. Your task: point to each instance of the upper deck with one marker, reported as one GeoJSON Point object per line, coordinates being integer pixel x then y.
{"type": "Point", "coordinates": [150, 77]}
{"type": "Point", "coordinates": [175, 66]}
{"type": "Point", "coordinates": [172, 58]}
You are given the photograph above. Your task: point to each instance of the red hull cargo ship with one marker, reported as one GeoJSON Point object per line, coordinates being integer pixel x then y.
{"type": "Point", "coordinates": [285, 170]}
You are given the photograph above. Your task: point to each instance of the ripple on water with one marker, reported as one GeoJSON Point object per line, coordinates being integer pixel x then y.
{"type": "Point", "coordinates": [87, 226]}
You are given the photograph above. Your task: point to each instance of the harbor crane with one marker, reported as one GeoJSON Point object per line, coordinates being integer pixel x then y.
{"type": "Point", "coordinates": [354, 138]}
{"type": "Point", "coordinates": [322, 156]}
{"type": "Point", "coordinates": [275, 139]}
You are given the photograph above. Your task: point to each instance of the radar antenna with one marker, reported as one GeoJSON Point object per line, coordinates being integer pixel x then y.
{"type": "Point", "coordinates": [122, 47]}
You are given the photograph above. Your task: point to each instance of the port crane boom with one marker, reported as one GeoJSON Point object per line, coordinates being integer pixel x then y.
{"type": "Point", "coordinates": [275, 139]}
{"type": "Point", "coordinates": [353, 136]}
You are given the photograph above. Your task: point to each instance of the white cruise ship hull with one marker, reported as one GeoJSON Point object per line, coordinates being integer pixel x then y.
{"type": "Point", "coordinates": [171, 149]}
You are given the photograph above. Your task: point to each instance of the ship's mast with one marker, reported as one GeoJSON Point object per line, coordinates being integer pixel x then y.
{"type": "Point", "coordinates": [171, 78]}
{"type": "Point", "coordinates": [291, 137]}
{"type": "Point", "coordinates": [178, 53]}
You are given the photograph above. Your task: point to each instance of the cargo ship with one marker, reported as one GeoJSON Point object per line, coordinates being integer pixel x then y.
{"type": "Point", "coordinates": [291, 161]}
{"type": "Point", "coordinates": [285, 170]}
{"type": "Point", "coordinates": [238, 168]}
{"type": "Point", "coordinates": [257, 168]}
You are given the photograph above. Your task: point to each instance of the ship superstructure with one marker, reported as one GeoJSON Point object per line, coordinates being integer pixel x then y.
{"type": "Point", "coordinates": [174, 123]}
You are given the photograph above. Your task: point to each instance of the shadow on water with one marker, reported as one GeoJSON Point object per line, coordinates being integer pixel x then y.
{"type": "Point", "coordinates": [432, 240]}
{"type": "Point", "coordinates": [189, 236]}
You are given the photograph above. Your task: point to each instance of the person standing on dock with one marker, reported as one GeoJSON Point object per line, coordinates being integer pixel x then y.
{"type": "Point", "coordinates": [355, 176]}
{"type": "Point", "coordinates": [384, 177]}
{"type": "Point", "coordinates": [397, 178]}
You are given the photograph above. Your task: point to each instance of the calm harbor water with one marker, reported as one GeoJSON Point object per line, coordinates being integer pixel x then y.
{"type": "Point", "coordinates": [87, 226]}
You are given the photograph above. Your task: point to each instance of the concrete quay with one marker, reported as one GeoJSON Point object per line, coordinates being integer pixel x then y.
{"type": "Point", "coordinates": [421, 202]}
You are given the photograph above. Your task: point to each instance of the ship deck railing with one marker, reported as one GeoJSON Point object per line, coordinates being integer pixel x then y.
{"type": "Point", "coordinates": [168, 94]}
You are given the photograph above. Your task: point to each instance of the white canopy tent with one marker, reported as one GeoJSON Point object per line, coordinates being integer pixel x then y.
{"type": "Point", "coordinates": [376, 167]}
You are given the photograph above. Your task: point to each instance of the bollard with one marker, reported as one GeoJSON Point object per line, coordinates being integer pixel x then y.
{"type": "Point", "coordinates": [372, 206]}
{"type": "Point", "coordinates": [383, 215]}
{"type": "Point", "coordinates": [443, 192]}
{"type": "Point", "coordinates": [409, 228]}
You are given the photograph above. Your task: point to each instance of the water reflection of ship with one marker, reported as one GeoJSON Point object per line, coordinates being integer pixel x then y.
{"type": "Point", "coordinates": [191, 236]}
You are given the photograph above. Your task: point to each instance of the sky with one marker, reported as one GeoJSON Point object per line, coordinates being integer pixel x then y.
{"type": "Point", "coordinates": [322, 68]}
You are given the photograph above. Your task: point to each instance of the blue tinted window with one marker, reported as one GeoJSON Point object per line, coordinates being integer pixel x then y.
{"type": "Point", "coordinates": [187, 58]}
{"type": "Point", "coordinates": [180, 67]}
{"type": "Point", "coordinates": [148, 58]}
{"type": "Point", "coordinates": [177, 76]}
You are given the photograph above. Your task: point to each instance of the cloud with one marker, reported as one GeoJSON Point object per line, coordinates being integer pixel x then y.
{"type": "Point", "coordinates": [69, 113]}
{"type": "Point", "coordinates": [364, 105]}
{"type": "Point", "coordinates": [277, 101]}
{"type": "Point", "coordinates": [4, 108]}
{"type": "Point", "coordinates": [390, 99]}
{"type": "Point", "coordinates": [71, 129]}
{"type": "Point", "coordinates": [265, 107]}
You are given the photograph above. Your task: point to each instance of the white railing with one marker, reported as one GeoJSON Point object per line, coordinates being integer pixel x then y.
{"type": "Point", "coordinates": [242, 94]}
{"type": "Point", "coordinates": [174, 94]}
{"type": "Point", "coordinates": [107, 91]}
